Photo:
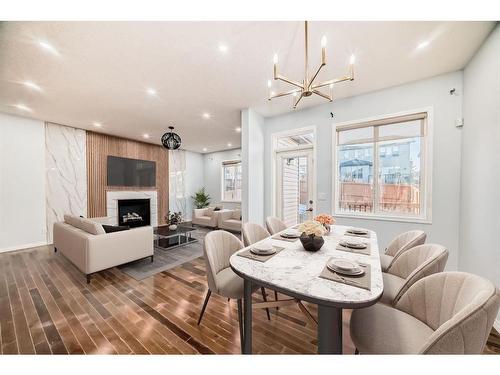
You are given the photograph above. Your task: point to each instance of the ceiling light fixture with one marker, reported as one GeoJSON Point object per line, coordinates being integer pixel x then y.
{"type": "Point", "coordinates": [204, 149]}
{"type": "Point", "coordinates": [171, 140]}
{"type": "Point", "coordinates": [206, 115]}
{"type": "Point", "coordinates": [97, 124]}
{"type": "Point", "coordinates": [223, 48]}
{"type": "Point", "coordinates": [151, 92]}
{"type": "Point", "coordinates": [229, 145]}
{"type": "Point", "coordinates": [146, 136]}
{"type": "Point", "coordinates": [23, 107]}
{"type": "Point", "coordinates": [423, 44]}
{"type": "Point", "coordinates": [238, 130]}
{"type": "Point", "coordinates": [307, 87]}
{"type": "Point", "coordinates": [32, 85]}
{"type": "Point", "coordinates": [48, 47]}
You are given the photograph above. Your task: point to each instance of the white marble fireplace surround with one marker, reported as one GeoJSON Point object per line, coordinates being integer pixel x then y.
{"type": "Point", "coordinates": [112, 198]}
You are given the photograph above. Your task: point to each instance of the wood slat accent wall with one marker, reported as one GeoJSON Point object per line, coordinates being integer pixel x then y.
{"type": "Point", "coordinates": [99, 146]}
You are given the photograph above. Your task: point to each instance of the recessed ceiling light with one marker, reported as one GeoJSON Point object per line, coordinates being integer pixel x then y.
{"type": "Point", "coordinates": [146, 136]}
{"type": "Point", "coordinates": [423, 44]}
{"type": "Point", "coordinates": [229, 145]}
{"type": "Point", "coordinates": [206, 115]}
{"type": "Point", "coordinates": [46, 46]}
{"type": "Point", "coordinates": [97, 124]}
{"type": "Point", "coordinates": [223, 47]}
{"type": "Point", "coordinates": [32, 85]}
{"type": "Point", "coordinates": [23, 107]}
{"type": "Point", "coordinates": [204, 149]}
{"type": "Point", "coordinates": [238, 130]}
{"type": "Point", "coordinates": [151, 92]}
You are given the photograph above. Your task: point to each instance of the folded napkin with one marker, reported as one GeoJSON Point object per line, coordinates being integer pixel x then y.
{"type": "Point", "coordinates": [261, 258]}
{"type": "Point", "coordinates": [363, 281]}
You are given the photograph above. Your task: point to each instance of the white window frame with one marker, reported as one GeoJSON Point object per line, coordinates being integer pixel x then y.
{"type": "Point", "coordinates": [275, 152]}
{"type": "Point", "coordinates": [425, 174]}
{"type": "Point", "coordinates": [223, 164]}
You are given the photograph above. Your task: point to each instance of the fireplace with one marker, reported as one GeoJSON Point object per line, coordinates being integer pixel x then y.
{"type": "Point", "coordinates": [134, 212]}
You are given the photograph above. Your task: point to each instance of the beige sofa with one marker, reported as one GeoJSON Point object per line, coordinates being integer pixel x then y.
{"type": "Point", "coordinates": [85, 243]}
{"type": "Point", "coordinates": [206, 217]}
{"type": "Point", "coordinates": [230, 220]}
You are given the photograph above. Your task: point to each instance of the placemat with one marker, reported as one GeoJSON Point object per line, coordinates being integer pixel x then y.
{"type": "Point", "coordinates": [357, 235]}
{"type": "Point", "coordinates": [261, 258]}
{"type": "Point", "coordinates": [278, 237]}
{"type": "Point", "coordinates": [366, 251]}
{"type": "Point", "coordinates": [363, 281]}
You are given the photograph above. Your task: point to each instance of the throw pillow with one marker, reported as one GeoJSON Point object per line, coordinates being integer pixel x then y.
{"type": "Point", "coordinates": [237, 214]}
{"type": "Point", "coordinates": [114, 228]}
{"type": "Point", "coordinates": [91, 227]}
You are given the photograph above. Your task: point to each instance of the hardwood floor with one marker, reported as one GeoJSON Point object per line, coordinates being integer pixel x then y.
{"type": "Point", "coordinates": [47, 307]}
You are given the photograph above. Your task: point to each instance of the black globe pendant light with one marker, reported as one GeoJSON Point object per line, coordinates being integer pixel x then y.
{"type": "Point", "coordinates": [171, 140]}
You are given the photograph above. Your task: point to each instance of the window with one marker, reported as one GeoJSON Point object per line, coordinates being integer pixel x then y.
{"type": "Point", "coordinates": [389, 178]}
{"type": "Point", "coordinates": [231, 181]}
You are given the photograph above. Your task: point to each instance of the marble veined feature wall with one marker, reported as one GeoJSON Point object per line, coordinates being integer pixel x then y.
{"type": "Point", "coordinates": [66, 173]}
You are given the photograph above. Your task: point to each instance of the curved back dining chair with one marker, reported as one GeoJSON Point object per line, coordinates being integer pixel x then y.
{"type": "Point", "coordinates": [253, 233]}
{"type": "Point", "coordinates": [445, 313]}
{"type": "Point", "coordinates": [411, 266]}
{"type": "Point", "coordinates": [218, 247]}
{"type": "Point", "coordinates": [399, 245]}
{"type": "Point", "coordinates": [274, 225]}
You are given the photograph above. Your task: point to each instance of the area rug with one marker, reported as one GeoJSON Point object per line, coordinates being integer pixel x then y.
{"type": "Point", "coordinates": [166, 259]}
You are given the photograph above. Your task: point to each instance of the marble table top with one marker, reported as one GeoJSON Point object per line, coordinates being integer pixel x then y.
{"type": "Point", "coordinates": [296, 271]}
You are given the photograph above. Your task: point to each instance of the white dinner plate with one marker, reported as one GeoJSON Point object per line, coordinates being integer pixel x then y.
{"type": "Point", "coordinates": [262, 252]}
{"type": "Point", "coordinates": [291, 233]}
{"type": "Point", "coordinates": [353, 244]}
{"type": "Point", "coordinates": [263, 246]}
{"type": "Point", "coordinates": [357, 231]}
{"type": "Point", "coordinates": [343, 264]}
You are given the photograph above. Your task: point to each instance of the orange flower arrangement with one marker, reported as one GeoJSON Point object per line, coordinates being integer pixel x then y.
{"type": "Point", "coordinates": [325, 219]}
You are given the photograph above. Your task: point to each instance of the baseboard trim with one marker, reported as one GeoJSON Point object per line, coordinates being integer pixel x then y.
{"type": "Point", "coordinates": [22, 247]}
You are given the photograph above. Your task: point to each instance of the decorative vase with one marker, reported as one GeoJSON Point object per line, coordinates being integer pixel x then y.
{"type": "Point", "coordinates": [311, 242]}
{"type": "Point", "coordinates": [172, 227]}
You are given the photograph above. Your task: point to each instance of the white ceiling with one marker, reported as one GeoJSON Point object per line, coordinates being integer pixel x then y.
{"type": "Point", "coordinates": [103, 69]}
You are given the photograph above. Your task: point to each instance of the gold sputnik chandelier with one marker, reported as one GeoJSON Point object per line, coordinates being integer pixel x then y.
{"type": "Point", "coordinates": [307, 87]}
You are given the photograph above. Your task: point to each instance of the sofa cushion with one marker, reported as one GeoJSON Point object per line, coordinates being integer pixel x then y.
{"type": "Point", "coordinates": [114, 228]}
{"type": "Point", "coordinates": [72, 220]}
{"type": "Point", "coordinates": [91, 227]}
{"type": "Point", "coordinates": [237, 214]}
{"type": "Point", "coordinates": [209, 212]}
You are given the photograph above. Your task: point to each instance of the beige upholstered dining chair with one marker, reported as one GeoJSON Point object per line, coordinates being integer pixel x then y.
{"type": "Point", "coordinates": [253, 233]}
{"type": "Point", "coordinates": [411, 266]}
{"type": "Point", "coordinates": [399, 245]}
{"type": "Point", "coordinates": [445, 313]}
{"type": "Point", "coordinates": [218, 247]}
{"type": "Point", "coordinates": [274, 225]}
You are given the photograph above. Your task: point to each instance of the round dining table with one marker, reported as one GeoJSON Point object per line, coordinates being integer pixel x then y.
{"type": "Point", "coordinates": [295, 272]}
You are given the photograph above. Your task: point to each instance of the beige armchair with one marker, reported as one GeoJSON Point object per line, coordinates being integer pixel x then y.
{"type": "Point", "coordinates": [218, 247]}
{"type": "Point", "coordinates": [206, 217]}
{"type": "Point", "coordinates": [411, 266]}
{"type": "Point", "coordinates": [274, 225]}
{"type": "Point", "coordinates": [399, 245]}
{"type": "Point", "coordinates": [253, 233]}
{"type": "Point", "coordinates": [230, 220]}
{"type": "Point", "coordinates": [445, 313]}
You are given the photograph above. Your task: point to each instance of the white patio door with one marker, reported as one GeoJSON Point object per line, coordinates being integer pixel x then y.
{"type": "Point", "coordinates": [294, 185]}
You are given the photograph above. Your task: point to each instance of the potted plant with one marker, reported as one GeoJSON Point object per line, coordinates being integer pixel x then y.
{"type": "Point", "coordinates": [173, 219]}
{"type": "Point", "coordinates": [201, 199]}
{"type": "Point", "coordinates": [326, 220]}
{"type": "Point", "coordinates": [312, 235]}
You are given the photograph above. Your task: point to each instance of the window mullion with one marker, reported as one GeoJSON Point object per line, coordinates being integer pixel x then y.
{"type": "Point", "coordinates": [376, 188]}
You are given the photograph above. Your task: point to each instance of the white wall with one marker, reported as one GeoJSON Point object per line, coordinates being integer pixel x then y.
{"type": "Point", "coordinates": [212, 168]}
{"type": "Point", "coordinates": [22, 183]}
{"type": "Point", "coordinates": [253, 161]}
{"type": "Point", "coordinates": [447, 108]}
{"type": "Point", "coordinates": [480, 206]}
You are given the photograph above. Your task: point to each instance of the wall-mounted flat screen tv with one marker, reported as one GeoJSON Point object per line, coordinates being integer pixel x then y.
{"type": "Point", "coordinates": [131, 172]}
